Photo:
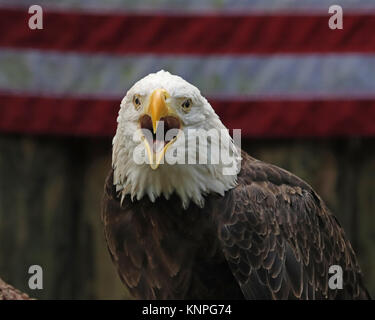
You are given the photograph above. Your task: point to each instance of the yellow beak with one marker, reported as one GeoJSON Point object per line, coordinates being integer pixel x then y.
{"type": "Point", "coordinates": [157, 109]}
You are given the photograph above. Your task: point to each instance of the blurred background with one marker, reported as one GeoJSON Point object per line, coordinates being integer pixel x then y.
{"type": "Point", "coordinates": [302, 94]}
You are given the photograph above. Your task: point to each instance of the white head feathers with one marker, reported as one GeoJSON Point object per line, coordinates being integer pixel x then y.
{"type": "Point", "coordinates": [191, 182]}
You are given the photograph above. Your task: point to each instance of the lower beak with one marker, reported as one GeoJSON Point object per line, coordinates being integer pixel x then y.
{"type": "Point", "coordinates": [158, 110]}
{"type": "Point", "coordinates": [155, 157]}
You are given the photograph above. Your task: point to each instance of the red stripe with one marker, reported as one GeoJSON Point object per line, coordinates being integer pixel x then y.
{"type": "Point", "coordinates": [89, 117]}
{"type": "Point", "coordinates": [187, 34]}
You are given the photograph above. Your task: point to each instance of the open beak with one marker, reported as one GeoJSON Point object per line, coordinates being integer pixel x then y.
{"type": "Point", "coordinates": [155, 123]}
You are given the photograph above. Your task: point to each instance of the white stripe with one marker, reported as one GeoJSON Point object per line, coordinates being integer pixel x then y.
{"type": "Point", "coordinates": [196, 5]}
{"type": "Point", "coordinates": [40, 72]}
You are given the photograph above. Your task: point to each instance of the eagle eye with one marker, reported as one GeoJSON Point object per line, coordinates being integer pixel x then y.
{"type": "Point", "coordinates": [137, 101]}
{"type": "Point", "coordinates": [186, 105]}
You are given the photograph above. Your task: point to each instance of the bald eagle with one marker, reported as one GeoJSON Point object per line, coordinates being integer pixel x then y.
{"type": "Point", "coordinates": [194, 231]}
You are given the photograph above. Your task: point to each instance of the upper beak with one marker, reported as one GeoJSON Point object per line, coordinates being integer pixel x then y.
{"type": "Point", "coordinates": [158, 107]}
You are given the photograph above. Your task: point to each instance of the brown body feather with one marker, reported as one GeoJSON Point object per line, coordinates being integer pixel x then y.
{"type": "Point", "coordinates": [271, 237]}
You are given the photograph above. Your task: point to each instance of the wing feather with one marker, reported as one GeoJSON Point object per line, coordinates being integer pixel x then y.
{"type": "Point", "coordinates": [280, 239]}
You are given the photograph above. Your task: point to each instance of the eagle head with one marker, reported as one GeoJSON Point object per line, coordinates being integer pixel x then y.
{"type": "Point", "coordinates": [170, 140]}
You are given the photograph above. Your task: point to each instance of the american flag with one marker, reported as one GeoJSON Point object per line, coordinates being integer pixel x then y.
{"type": "Point", "coordinates": [271, 68]}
